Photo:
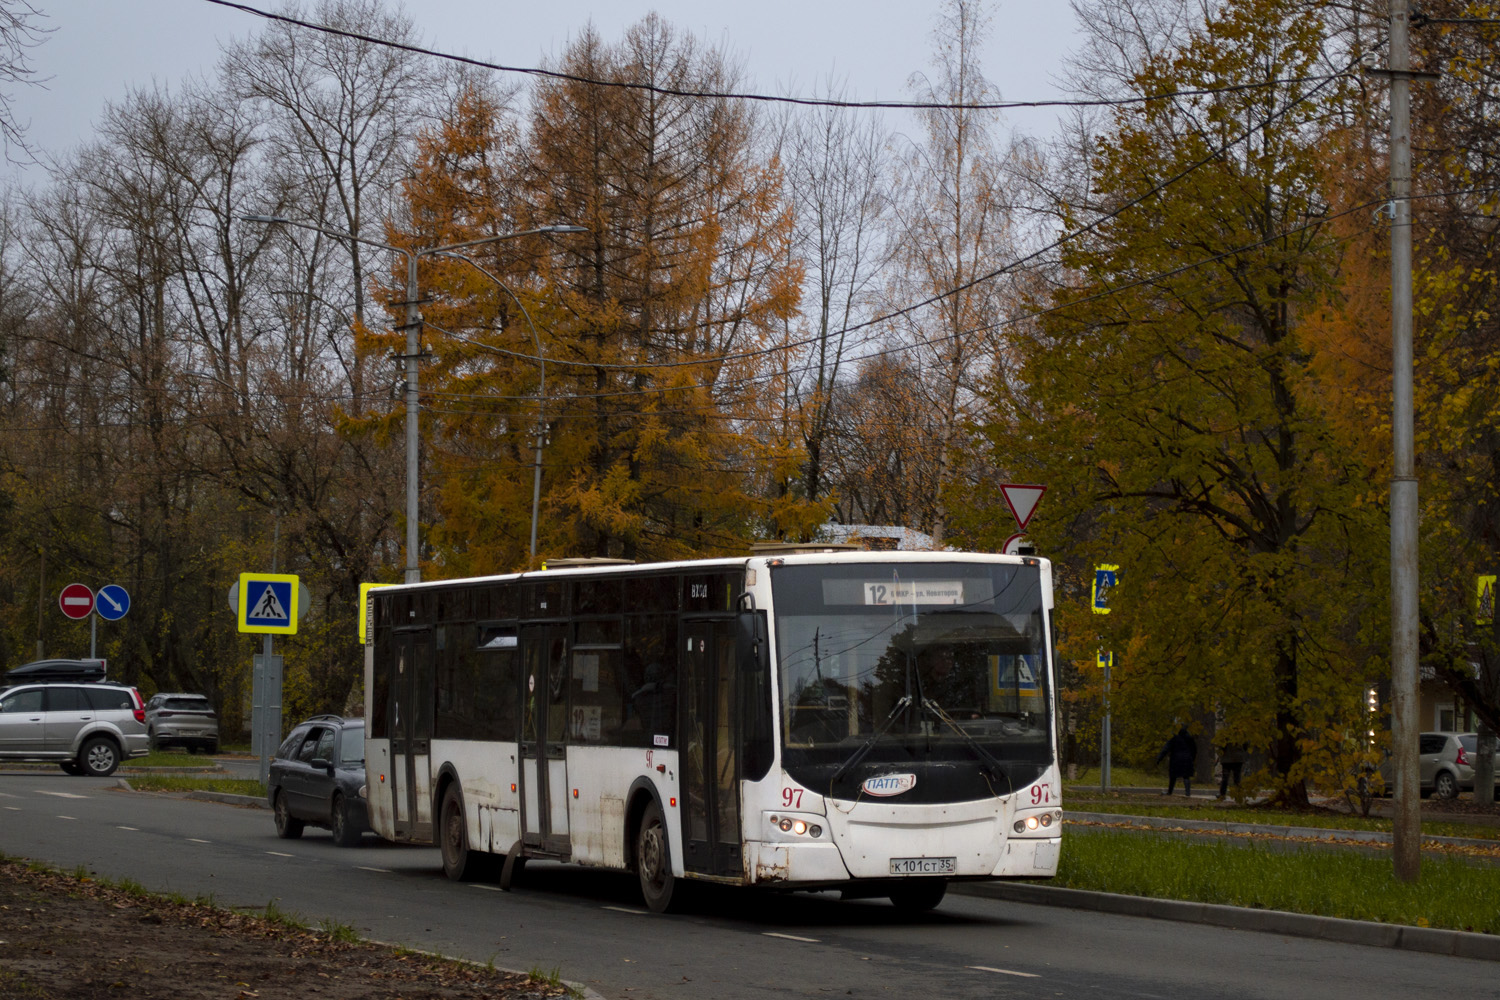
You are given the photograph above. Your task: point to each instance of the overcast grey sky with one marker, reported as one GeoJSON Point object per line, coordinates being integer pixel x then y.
{"type": "Point", "coordinates": [102, 48]}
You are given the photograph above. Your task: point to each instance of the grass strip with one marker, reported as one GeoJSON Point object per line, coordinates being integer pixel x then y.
{"type": "Point", "coordinates": [187, 783]}
{"type": "Point", "coordinates": [1450, 894]}
{"type": "Point", "coordinates": [166, 758]}
{"type": "Point", "coordinates": [1278, 817]}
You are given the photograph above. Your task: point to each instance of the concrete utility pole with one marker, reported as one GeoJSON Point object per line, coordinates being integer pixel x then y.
{"type": "Point", "coordinates": [1407, 831]}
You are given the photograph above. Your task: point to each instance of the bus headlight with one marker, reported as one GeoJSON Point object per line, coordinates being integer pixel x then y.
{"type": "Point", "coordinates": [796, 827]}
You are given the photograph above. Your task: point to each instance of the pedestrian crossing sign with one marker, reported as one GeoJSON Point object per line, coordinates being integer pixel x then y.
{"type": "Point", "coordinates": [268, 603]}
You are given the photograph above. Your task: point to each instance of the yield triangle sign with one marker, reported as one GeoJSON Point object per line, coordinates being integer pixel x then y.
{"type": "Point", "coordinates": [1022, 499]}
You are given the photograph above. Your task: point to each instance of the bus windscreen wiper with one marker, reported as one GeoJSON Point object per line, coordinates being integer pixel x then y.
{"type": "Point", "coordinates": [988, 759]}
{"type": "Point", "coordinates": [858, 755]}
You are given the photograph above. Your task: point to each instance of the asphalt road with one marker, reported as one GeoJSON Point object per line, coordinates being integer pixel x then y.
{"type": "Point", "coordinates": [591, 927]}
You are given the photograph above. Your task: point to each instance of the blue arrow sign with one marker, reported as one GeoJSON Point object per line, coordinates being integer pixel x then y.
{"type": "Point", "coordinates": [112, 602]}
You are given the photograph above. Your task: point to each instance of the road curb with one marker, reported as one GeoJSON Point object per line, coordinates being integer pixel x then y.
{"type": "Point", "coordinates": [1304, 832]}
{"type": "Point", "coordinates": [252, 801]}
{"type": "Point", "coordinates": [1432, 940]}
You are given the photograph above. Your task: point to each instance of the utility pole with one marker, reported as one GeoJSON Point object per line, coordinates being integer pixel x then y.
{"type": "Point", "coordinates": [1407, 830]}
{"type": "Point", "coordinates": [413, 416]}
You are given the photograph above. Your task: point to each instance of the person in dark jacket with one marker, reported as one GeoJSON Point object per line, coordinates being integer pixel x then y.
{"type": "Point", "coordinates": [1231, 764]}
{"type": "Point", "coordinates": [1181, 753]}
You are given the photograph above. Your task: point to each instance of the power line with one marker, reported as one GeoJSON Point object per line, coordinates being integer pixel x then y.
{"type": "Point", "coordinates": [763, 98]}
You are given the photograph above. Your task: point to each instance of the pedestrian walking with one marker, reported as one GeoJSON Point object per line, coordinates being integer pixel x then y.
{"type": "Point", "coordinates": [1181, 752]}
{"type": "Point", "coordinates": [1231, 762]}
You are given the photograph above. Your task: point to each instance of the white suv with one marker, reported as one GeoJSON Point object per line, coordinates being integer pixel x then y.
{"type": "Point", "coordinates": [86, 728]}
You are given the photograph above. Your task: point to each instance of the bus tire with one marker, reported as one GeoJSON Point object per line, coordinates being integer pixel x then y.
{"type": "Point", "coordinates": [919, 895]}
{"type": "Point", "coordinates": [459, 862]}
{"type": "Point", "coordinates": [653, 863]}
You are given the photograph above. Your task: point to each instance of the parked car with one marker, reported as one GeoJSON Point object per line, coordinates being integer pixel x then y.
{"type": "Point", "coordinates": [182, 720]}
{"type": "Point", "coordinates": [317, 776]}
{"type": "Point", "coordinates": [1445, 764]}
{"type": "Point", "coordinates": [87, 728]}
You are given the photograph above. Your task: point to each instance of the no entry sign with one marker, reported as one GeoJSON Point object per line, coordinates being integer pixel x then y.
{"type": "Point", "coordinates": [76, 600]}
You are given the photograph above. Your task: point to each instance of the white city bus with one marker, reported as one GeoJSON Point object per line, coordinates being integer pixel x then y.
{"type": "Point", "coordinates": [877, 722]}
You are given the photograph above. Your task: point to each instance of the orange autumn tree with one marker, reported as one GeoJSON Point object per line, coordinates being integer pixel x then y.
{"type": "Point", "coordinates": [653, 325]}
{"type": "Point", "coordinates": [672, 299]}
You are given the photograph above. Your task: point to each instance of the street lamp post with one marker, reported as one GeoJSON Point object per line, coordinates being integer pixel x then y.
{"type": "Point", "coordinates": [412, 326]}
{"type": "Point", "coordinates": [541, 401]}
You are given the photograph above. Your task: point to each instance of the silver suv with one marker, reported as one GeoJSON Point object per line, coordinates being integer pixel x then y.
{"type": "Point", "coordinates": [183, 720]}
{"type": "Point", "coordinates": [86, 728]}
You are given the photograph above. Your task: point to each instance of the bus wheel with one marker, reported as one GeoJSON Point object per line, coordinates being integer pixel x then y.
{"type": "Point", "coordinates": [919, 894]}
{"type": "Point", "coordinates": [459, 863]}
{"type": "Point", "coordinates": [653, 862]}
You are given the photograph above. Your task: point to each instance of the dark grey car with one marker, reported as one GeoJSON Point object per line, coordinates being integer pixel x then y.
{"type": "Point", "coordinates": [86, 728]}
{"type": "Point", "coordinates": [318, 776]}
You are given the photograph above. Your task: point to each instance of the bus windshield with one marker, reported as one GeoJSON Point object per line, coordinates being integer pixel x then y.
{"type": "Point", "coordinates": [905, 663]}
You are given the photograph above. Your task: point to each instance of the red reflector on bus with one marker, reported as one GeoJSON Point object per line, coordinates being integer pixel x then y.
{"type": "Point", "coordinates": [673, 801]}
{"type": "Point", "coordinates": [575, 793]}
{"type": "Point", "coordinates": [513, 788]}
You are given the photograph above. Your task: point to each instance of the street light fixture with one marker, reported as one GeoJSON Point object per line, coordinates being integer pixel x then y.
{"type": "Point", "coordinates": [412, 326]}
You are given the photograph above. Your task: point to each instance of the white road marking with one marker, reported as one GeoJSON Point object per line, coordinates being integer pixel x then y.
{"type": "Point", "coordinates": [278, 854]}
{"type": "Point", "coordinates": [14, 809]}
{"type": "Point", "coordinates": [63, 795]}
{"type": "Point", "coordinates": [1004, 972]}
{"type": "Point", "coordinates": [383, 871]}
{"type": "Point", "coordinates": [73, 818]}
{"type": "Point", "coordinates": [130, 828]}
{"type": "Point", "coordinates": [625, 909]}
{"type": "Point", "coordinates": [791, 937]}
{"type": "Point", "coordinates": [491, 888]}
{"type": "Point", "coordinates": [195, 840]}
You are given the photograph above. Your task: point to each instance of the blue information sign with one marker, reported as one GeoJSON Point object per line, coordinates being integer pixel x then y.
{"type": "Point", "coordinates": [112, 602]}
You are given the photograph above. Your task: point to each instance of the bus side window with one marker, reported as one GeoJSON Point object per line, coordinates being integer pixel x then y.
{"type": "Point", "coordinates": [650, 681]}
{"type": "Point", "coordinates": [595, 706]}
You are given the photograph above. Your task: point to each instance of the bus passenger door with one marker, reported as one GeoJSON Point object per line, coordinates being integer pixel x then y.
{"type": "Point", "coordinates": [544, 717]}
{"type": "Point", "coordinates": [411, 734]}
{"type": "Point", "coordinates": [710, 748]}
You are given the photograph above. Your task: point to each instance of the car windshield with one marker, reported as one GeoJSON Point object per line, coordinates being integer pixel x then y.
{"type": "Point", "coordinates": [352, 750]}
{"type": "Point", "coordinates": [903, 661]}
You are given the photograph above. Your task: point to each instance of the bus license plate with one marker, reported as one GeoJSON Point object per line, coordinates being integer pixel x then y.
{"type": "Point", "coordinates": [924, 866]}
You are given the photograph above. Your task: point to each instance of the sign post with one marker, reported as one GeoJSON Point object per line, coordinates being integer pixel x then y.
{"type": "Point", "coordinates": [77, 602]}
{"type": "Point", "coordinates": [268, 604]}
{"type": "Point", "coordinates": [1105, 577]}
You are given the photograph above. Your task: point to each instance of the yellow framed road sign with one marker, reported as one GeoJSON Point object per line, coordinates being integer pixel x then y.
{"type": "Point", "coordinates": [268, 603]}
{"type": "Point", "coordinates": [364, 607]}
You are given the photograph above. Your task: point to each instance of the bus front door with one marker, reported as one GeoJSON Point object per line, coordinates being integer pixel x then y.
{"type": "Point", "coordinates": [411, 735]}
{"type": "Point", "coordinates": [710, 751]}
{"type": "Point", "coordinates": [544, 717]}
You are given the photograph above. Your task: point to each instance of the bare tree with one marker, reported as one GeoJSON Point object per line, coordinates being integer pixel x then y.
{"type": "Point", "coordinates": [837, 178]}
{"type": "Point", "coordinates": [952, 224]}
{"type": "Point", "coordinates": [20, 32]}
{"type": "Point", "coordinates": [343, 114]}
